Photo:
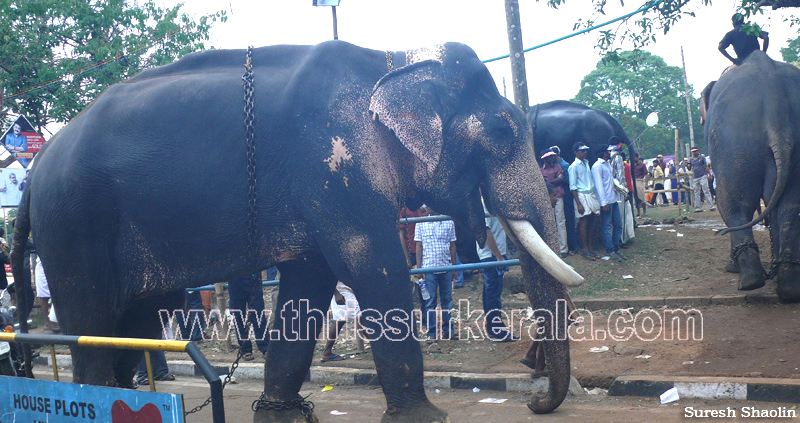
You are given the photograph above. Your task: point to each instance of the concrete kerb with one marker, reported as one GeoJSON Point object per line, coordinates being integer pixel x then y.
{"type": "Point", "coordinates": [348, 376]}
{"type": "Point", "coordinates": [707, 387]}
{"type": "Point", "coordinates": [761, 389]}
{"type": "Point", "coordinates": [704, 387]}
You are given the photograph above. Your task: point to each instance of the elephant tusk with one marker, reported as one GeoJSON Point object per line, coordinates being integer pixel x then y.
{"type": "Point", "coordinates": [543, 255]}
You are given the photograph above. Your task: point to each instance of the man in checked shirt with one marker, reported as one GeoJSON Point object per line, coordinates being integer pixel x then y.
{"type": "Point", "coordinates": [436, 247]}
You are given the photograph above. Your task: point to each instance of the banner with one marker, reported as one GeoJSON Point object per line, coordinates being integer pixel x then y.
{"type": "Point", "coordinates": [12, 182]}
{"type": "Point", "coordinates": [30, 400]}
{"type": "Point", "coordinates": [22, 141]}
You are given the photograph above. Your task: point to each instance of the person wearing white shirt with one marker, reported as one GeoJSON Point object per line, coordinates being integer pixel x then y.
{"type": "Point", "coordinates": [603, 177]}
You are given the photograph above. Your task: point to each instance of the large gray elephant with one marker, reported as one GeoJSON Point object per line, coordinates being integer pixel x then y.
{"type": "Point", "coordinates": [563, 123]}
{"type": "Point", "coordinates": [752, 129]}
{"type": "Point", "coordinates": [147, 192]}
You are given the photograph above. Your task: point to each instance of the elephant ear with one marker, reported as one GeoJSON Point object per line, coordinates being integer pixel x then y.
{"type": "Point", "coordinates": [411, 101]}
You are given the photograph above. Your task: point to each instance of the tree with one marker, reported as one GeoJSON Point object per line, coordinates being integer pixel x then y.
{"type": "Point", "coordinates": [791, 54]}
{"type": "Point", "coordinates": [57, 56]}
{"type": "Point", "coordinates": [663, 15]}
{"type": "Point", "coordinates": [634, 85]}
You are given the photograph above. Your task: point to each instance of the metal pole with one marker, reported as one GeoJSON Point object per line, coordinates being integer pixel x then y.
{"type": "Point", "coordinates": [55, 365]}
{"type": "Point", "coordinates": [149, 365]}
{"type": "Point", "coordinates": [688, 101]}
{"type": "Point", "coordinates": [335, 27]}
{"type": "Point", "coordinates": [519, 80]}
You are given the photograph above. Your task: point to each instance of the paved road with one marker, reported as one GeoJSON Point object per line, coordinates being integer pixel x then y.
{"type": "Point", "coordinates": [366, 404]}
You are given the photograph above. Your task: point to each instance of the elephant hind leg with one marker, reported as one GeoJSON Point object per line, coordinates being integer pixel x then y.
{"type": "Point", "coordinates": [304, 297]}
{"type": "Point", "coordinates": [141, 320]}
{"type": "Point", "coordinates": [91, 366]}
{"type": "Point", "coordinates": [745, 259]}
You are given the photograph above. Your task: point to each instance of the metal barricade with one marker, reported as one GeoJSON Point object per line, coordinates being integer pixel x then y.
{"type": "Point", "coordinates": [217, 401]}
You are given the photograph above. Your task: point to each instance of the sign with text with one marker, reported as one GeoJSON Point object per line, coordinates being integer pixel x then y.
{"type": "Point", "coordinates": [25, 400]}
{"type": "Point", "coordinates": [22, 140]}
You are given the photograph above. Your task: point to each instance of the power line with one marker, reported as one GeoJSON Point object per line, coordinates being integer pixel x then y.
{"type": "Point", "coordinates": [583, 31]}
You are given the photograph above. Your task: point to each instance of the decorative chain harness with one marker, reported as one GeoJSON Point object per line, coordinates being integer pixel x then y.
{"type": "Point", "coordinates": [252, 177]}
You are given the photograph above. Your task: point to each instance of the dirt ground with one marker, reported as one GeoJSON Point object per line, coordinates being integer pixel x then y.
{"type": "Point", "coordinates": [664, 260]}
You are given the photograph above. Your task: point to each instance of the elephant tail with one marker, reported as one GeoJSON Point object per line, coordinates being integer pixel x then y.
{"type": "Point", "coordinates": [782, 145]}
{"type": "Point", "coordinates": [22, 228]}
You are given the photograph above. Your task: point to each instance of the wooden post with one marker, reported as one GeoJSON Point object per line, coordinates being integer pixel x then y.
{"type": "Point", "coordinates": [688, 102]}
{"type": "Point", "coordinates": [675, 162]}
{"type": "Point", "coordinates": [517, 56]}
{"type": "Point", "coordinates": [222, 305]}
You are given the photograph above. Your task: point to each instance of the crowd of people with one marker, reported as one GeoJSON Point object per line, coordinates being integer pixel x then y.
{"type": "Point", "coordinates": [703, 181]}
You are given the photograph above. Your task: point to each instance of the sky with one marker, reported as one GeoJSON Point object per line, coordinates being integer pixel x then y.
{"type": "Point", "coordinates": [554, 72]}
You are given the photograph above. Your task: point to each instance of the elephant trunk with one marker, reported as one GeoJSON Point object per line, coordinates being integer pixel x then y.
{"type": "Point", "coordinates": [547, 296]}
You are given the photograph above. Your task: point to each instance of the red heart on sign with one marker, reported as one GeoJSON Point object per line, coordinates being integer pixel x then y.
{"type": "Point", "coordinates": [121, 413]}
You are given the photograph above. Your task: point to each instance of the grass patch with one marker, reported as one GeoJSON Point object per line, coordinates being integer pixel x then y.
{"type": "Point", "coordinates": [601, 287]}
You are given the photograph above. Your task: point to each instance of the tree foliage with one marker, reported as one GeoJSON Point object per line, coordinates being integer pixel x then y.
{"type": "Point", "coordinates": [661, 16]}
{"type": "Point", "coordinates": [634, 85]}
{"type": "Point", "coordinates": [791, 53]}
{"type": "Point", "coordinates": [57, 56]}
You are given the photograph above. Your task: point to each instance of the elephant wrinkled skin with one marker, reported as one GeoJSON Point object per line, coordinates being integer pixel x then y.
{"type": "Point", "coordinates": [145, 194]}
{"type": "Point", "coordinates": [752, 129]}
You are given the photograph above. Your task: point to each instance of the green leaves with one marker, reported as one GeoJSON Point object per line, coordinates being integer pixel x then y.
{"type": "Point", "coordinates": [632, 84]}
{"type": "Point", "coordinates": [58, 55]}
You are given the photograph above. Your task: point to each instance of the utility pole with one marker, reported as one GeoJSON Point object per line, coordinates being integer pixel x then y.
{"type": "Point", "coordinates": [335, 24]}
{"type": "Point", "coordinates": [688, 101]}
{"type": "Point", "coordinates": [517, 56]}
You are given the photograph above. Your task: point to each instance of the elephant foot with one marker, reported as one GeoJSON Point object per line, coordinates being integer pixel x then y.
{"type": "Point", "coordinates": [425, 412]}
{"type": "Point", "coordinates": [751, 272]}
{"type": "Point", "coordinates": [752, 282]}
{"type": "Point", "coordinates": [297, 411]}
{"type": "Point", "coordinates": [732, 267]}
{"type": "Point", "coordinates": [789, 283]}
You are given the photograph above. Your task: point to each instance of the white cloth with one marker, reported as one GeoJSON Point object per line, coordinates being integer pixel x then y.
{"type": "Point", "coordinates": [590, 205]}
{"type": "Point", "coordinates": [604, 183]}
{"type": "Point", "coordinates": [627, 220]}
{"type": "Point", "coordinates": [499, 237]}
{"type": "Point", "coordinates": [42, 289]}
{"type": "Point", "coordinates": [561, 225]}
{"type": "Point", "coordinates": [347, 311]}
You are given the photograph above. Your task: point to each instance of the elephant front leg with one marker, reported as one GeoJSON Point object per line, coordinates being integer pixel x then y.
{"type": "Point", "coordinates": [304, 297]}
{"type": "Point", "coordinates": [385, 301]}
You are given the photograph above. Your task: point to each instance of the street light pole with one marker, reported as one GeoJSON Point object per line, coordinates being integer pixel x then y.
{"type": "Point", "coordinates": [332, 4]}
{"type": "Point", "coordinates": [335, 27]}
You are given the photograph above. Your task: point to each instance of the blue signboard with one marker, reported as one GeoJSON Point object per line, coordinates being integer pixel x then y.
{"type": "Point", "coordinates": [31, 401]}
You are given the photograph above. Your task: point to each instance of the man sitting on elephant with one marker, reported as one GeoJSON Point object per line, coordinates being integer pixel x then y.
{"type": "Point", "coordinates": [742, 42]}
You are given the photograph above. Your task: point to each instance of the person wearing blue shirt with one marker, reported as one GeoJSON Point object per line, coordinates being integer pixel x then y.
{"type": "Point", "coordinates": [581, 186]}
{"type": "Point", "coordinates": [603, 176]}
